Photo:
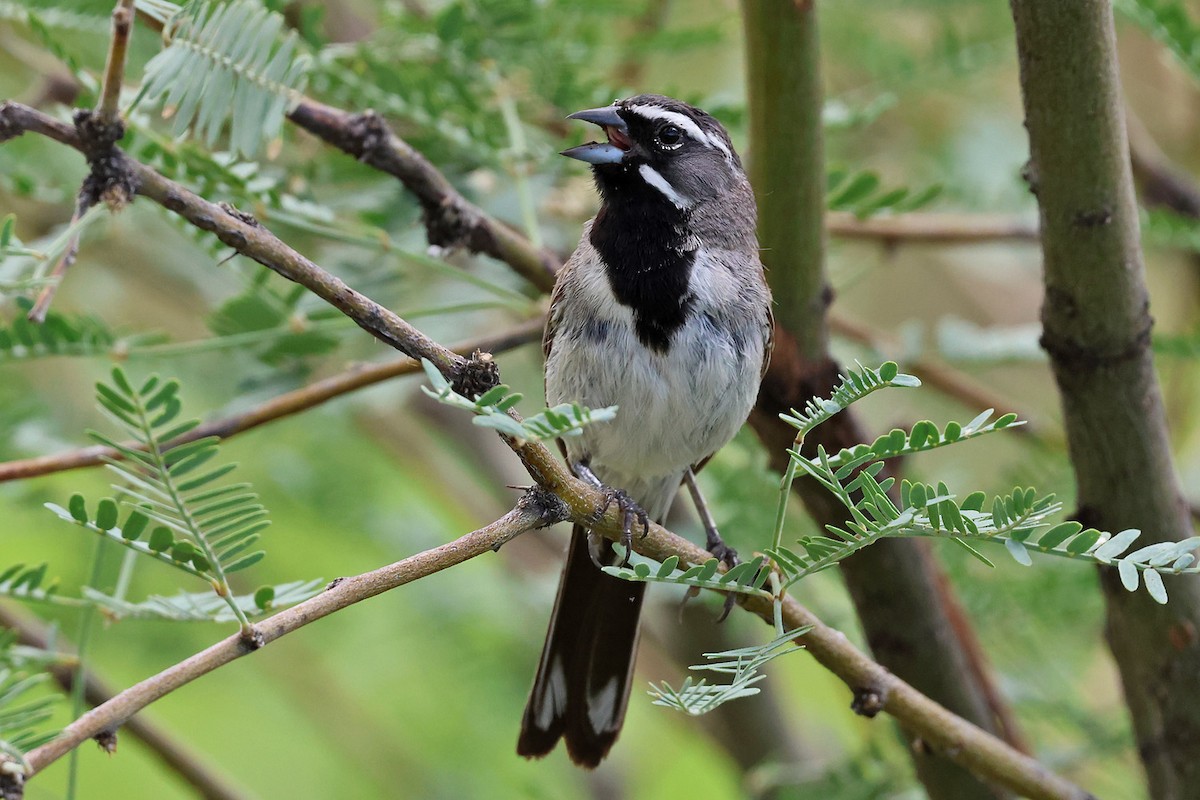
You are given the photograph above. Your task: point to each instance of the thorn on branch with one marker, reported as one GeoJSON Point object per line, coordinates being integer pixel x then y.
{"type": "Point", "coordinates": [476, 375]}
{"type": "Point", "coordinates": [107, 739]}
{"type": "Point", "coordinates": [41, 306]}
{"type": "Point", "coordinates": [868, 701]}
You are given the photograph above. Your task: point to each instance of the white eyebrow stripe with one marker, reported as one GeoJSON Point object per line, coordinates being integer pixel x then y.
{"type": "Point", "coordinates": [682, 122]}
{"type": "Point", "coordinates": [652, 177]}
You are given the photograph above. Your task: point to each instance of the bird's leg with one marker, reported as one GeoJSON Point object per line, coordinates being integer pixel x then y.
{"type": "Point", "coordinates": [713, 542]}
{"type": "Point", "coordinates": [629, 508]}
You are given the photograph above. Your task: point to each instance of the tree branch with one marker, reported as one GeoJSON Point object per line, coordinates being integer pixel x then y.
{"type": "Point", "coordinates": [114, 69]}
{"type": "Point", "coordinates": [207, 782]}
{"type": "Point", "coordinates": [450, 219]}
{"type": "Point", "coordinates": [534, 510]}
{"type": "Point", "coordinates": [276, 408]}
{"type": "Point", "coordinates": [896, 585]}
{"type": "Point", "coordinates": [932, 228]}
{"type": "Point", "coordinates": [1097, 325]}
{"type": "Point", "coordinates": [244, 234]}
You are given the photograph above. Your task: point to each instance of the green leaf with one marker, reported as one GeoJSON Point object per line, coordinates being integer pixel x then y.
{"type": "Point", "coordinates": [106, 514]}
{"type": "Point", "coordinates": [134, 526]}
{"type": "Point", "coordinates": [245, 561]}
{"type": "Point", "coordinates": [1154, 585]}
{"type": "Point", "coordinates": [1018, 552]}
{"type": "Point", "coordinates": [1116, 545]}
{"type": "Point", "coordinates": [1082, 542]}
{"type": "Point", "coordinates": [264, 597]}
{"type": "Point", "coordinates": [78, 507]}
{"type": "Point", "coordinates": [161, 539]}
{"type": "Point", "coordinates": [1129, 574]}
{"type": "Point", "coordinates": [1059, 534]}
{"type": "Point", "coordinates": [228, 64]}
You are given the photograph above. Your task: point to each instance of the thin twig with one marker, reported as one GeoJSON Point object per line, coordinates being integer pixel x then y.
{"type": "Point", "coordinates": [528, 514]}
{"type": "Point", "coordinates": [276, 408]}
{"type": "Point", "coordinates": [207, 782]}
{"type": "Point", "coordinates": [933, 228]}
{"type": "Point", "coordinates": [244, 233]}
{"type": "Point", "coordinates": [46, 296]}
{"type": "Point", "coordinates": [114, 69]}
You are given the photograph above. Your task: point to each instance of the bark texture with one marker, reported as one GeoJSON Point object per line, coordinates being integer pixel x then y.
{"type": "Point", "coordinates": [1097, 332]}
{"type": "Point", "coordinates": [904, 606]}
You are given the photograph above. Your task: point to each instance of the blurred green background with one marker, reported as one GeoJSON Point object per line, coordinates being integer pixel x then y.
{"type": "Point", "coordinates": [418, 693]}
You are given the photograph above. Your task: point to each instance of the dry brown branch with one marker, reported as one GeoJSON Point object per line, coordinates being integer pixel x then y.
{"type": "Point", "coordinates": [274, 409]}
{"type": "Point", "coordinates": [207, 782]}
{"type": "Point", "coordinates": [534, 510]}
{"type": "Point", "coordinates": [933, 228]}
{"type": "Point", "coordinates": [450, 219]}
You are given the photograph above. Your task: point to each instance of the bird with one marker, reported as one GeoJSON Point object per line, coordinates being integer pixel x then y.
{"type": "Point", "coordinates": [663, 310]}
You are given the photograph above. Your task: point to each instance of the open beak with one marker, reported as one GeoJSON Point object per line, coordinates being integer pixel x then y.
{"type": "Point", "coordinates": [610, 152]}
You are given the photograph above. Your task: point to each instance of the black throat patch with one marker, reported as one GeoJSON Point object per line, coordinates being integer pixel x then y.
{"type": "Point", "coordinates": [638, 234]}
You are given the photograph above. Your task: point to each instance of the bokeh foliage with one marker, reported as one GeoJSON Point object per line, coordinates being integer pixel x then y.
{"type": "Point", "coordinates": [423, 688]}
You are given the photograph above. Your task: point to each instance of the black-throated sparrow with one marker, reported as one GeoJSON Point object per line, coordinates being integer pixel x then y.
{"type": "Point", "coordinates": [662, 310]}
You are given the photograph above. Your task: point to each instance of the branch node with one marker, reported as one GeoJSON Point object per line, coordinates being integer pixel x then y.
{"type": "Point", "coordinates": [252, 639]}
{"type": "Point", "coordinates": [1064, 350]}
{"type": "Point", "coordinates": [475, 375]}
{"type": "Point", "coordinates": [868, 701]}
{"type": "Point", "coordinates": [107, 740]}
{"type": "Point", "coordinates": [12, 779]}
{"type": "Point", "coordinates": [110, 181]}
{"type": "Point", "coordinates": [549, 507]}
{"type": "Point", "coordinates": [366, 134]}
{"type": "Point", "coordinates": [8, 128]}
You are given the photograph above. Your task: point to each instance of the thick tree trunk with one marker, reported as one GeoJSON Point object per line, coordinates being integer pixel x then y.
{"type": "Point", "coordinates": [896, 586]}
{"type": "Point", "coordinates": [1097, 332]}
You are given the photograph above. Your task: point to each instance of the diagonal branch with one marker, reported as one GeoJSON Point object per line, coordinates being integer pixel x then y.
{"type": "Point", "coordinates": [244, 233]}
{"type": "Point", "coordinates": [534, 510]}
{"type": "Point", "coordinates": [450, 219]}
{"type": "Point", "coordinates": [208, 783]}
{"type": "Point", "coordinates": [276, 408]}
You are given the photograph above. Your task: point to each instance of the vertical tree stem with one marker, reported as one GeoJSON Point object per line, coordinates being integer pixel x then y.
{"type": "Point", "coordinates": [787, 162]}
{"type": "Point", "coordinates": [1097, 332]}
{"type": "Point", "coordinates": [896, 586]}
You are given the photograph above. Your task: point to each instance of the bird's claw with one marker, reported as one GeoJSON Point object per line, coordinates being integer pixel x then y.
{"type": "Point", "coordinates": [729, 557]}
{"type": "Point", "coordinates": [630, 511]}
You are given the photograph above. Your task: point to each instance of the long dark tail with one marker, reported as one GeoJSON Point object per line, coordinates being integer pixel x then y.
{"type": "Point", "coordinates": [583, 680]}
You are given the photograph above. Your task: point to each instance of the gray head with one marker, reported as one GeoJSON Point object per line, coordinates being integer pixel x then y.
{"type": "Point", "coordinates": [657, 142]}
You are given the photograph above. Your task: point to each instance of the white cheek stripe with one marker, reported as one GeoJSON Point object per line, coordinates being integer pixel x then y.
{"type": "Point", "coordinates": [682, 122]}
{"type": "Point", "coordinates": [652, 177]}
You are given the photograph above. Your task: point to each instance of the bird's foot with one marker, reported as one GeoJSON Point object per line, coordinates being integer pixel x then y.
{"type": "Point", "coordinates": [727, 556]}
{"type": "Point", "coordinates": [629, 508]}
{"type": "Point", "coordinates": [630, 511]}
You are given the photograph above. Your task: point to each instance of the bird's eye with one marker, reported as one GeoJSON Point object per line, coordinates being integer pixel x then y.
{"type": "Point", "coordinates": [670, 136]}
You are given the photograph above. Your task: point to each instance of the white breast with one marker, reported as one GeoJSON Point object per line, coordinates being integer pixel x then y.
{"type": "Point", "coordinates": [676, 408]}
